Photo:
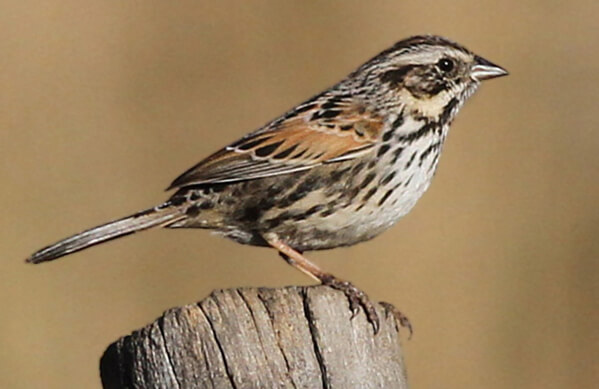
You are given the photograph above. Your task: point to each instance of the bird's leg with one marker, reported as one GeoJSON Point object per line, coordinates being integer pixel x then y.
{"type": "Point", "coordinates": [355, 296]}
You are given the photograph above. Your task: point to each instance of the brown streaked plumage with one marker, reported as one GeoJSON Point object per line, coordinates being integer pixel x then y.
{"type": "Point", "coordinates": [334, 171]}
{"type": "Point", "coordinates": [307, 137]}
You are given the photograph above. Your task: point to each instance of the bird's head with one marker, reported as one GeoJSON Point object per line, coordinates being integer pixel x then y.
{"type": "Point", "coordinates": [429, 75]}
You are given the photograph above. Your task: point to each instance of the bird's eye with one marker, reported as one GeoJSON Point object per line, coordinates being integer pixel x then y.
{"type": "Point", "coordinates": [446, 64]}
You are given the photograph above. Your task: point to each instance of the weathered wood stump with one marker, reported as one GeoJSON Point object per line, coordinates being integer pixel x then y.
{"type": "Point", "coordinates": [293, 337]}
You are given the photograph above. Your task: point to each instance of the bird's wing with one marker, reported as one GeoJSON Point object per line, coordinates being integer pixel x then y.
{"type": "Point", "coordinates": [324, 130]}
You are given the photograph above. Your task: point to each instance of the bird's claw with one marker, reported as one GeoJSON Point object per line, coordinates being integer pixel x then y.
{"type": "Point", "coordinates": [400, 319]}
{"type": "Point", "coordinates": [357, 298]}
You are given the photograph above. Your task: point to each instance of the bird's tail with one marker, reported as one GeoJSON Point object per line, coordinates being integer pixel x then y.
{"type": "Point", "coordinates": [162, 215]}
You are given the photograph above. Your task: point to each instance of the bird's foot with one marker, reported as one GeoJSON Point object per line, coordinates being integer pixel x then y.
{"type": "Point", "coordinates": [356, 297]}
{"type": "Point", "coordinates": [401, 320]}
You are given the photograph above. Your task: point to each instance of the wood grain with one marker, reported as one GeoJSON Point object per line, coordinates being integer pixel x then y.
{"type": "Point", "coordinates": [292, 337]}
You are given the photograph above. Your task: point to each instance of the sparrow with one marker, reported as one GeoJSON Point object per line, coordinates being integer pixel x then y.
{"type": "Point", "coordinates": [333, 171]}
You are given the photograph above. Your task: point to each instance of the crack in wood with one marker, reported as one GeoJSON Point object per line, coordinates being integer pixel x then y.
{"type": "Point", "coordinates": [277, 337]}
{"type": "Point", "coordinates": [220, 346]}
{"type": "Point", "coordinates": [314, 335]}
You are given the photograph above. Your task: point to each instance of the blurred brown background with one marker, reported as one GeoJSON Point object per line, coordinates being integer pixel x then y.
{"type": "Point", "coordinates": [103, 103]}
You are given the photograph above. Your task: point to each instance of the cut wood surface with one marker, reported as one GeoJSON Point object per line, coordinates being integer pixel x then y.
{"type": "Point", "coordinates": [292, 337]}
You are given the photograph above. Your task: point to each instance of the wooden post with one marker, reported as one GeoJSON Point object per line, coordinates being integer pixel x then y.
{"type": "Point", "coordinates": [293, 337]}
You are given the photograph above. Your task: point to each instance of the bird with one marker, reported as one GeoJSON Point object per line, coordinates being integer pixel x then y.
{"type": "Point", "coordinates": [333, 171]}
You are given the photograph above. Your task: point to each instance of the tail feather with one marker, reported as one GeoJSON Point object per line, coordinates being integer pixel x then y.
{"type": "Point", "coordinates": [158, 216]}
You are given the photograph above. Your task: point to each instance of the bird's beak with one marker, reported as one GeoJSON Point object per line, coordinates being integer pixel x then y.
{"type": "Point", "coordinates": [485, 70]}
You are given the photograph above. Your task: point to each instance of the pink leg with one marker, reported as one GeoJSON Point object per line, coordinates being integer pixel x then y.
{"type": "Point", "coordinates": [355, 296]}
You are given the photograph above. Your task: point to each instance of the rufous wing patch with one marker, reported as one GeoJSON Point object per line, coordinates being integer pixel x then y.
{"type": "Point", "coordinates": [326, 132]}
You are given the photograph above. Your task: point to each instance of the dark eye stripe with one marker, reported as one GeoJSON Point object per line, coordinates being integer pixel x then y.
{"type": "Point", "coordinates": [396, 76]}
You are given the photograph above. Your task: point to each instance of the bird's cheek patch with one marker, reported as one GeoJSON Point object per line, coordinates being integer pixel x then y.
{"type": "Point", "coordinates": [426, 106]}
